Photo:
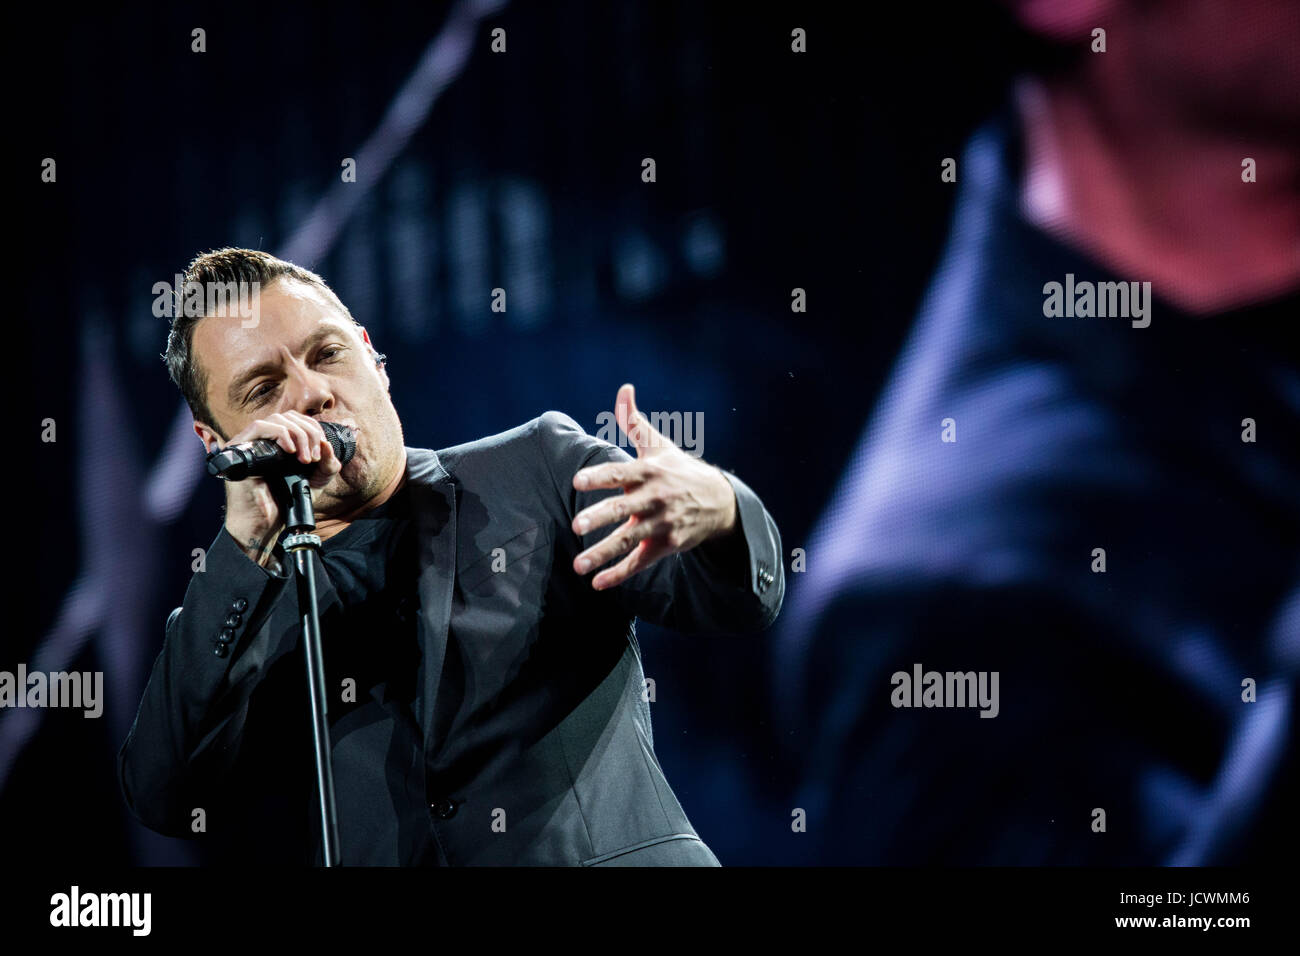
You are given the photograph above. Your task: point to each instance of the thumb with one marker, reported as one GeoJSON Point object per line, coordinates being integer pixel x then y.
{"type": "Point", "coordinates": [632, 422]}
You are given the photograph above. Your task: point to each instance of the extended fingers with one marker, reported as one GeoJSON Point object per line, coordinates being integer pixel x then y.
{"type": "Point", "coordinates": [646, 553]}
{"type": "Point", "coordinates": [619, 541]}
{"type": "Point", "coordinates": [616, 508]}
{"type": "Point", "coordinates": [612, 474]}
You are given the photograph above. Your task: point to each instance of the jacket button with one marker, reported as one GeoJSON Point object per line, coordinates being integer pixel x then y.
{"type": "Point", "coordinates": [233, 619]}
{"type": "Point", "coordinates": [240, 604]}
{"type": "Point", "coordinates": [444, 809]}
{"type": "Point", "coordinates": [225, 635]}
{"type": "Point", "coordinates": [220, 650]}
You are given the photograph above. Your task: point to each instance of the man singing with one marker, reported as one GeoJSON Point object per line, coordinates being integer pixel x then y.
{"type": "Point", "coordinates": [485, 690]}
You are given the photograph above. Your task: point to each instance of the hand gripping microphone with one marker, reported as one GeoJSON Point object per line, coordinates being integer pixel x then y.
{"type": "Point", "coordinates": [264, 458]}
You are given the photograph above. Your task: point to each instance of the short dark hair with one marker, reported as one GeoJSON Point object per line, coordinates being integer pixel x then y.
{"type": "Point", "coordinates": [224, 266]}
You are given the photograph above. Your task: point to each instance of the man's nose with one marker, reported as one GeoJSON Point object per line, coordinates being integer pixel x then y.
{"type": "Point", "coordinates": [310, 392]}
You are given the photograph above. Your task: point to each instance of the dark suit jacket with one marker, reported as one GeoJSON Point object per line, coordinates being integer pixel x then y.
{"type": "Point", "coordinates": [538, 746]}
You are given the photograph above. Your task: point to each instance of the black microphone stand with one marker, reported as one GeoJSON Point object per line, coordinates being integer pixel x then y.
{"type": "Point", "coordinates": [293, 494]}
{"type": "Point", "coordinates": [301, 541]}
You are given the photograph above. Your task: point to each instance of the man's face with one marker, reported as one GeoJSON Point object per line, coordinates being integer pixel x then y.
{"type": "Point", "coordinates": [303, 355]}
{"type": "Point", "coordinates": [1226, 66]}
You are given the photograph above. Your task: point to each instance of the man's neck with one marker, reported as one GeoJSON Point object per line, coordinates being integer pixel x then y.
{"type": "Point", "coordinates": [326, 528]}
{"type": "Point", "coordinates": [1157, 200]}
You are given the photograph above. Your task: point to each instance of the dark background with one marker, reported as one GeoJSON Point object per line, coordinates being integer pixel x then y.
{"type": "Point", "coordinates": [775, 170]}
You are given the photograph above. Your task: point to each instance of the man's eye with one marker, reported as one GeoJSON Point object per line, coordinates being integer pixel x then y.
{"type": "Point", "coordinates": [325, 355]}
{"type": "Point", "coordinates": [259, 395]}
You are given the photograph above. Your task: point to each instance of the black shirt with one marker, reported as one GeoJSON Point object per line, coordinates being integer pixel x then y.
{"type": "Point", "coordinates": [372, 566]}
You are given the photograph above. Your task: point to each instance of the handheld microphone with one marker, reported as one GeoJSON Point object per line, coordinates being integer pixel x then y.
{"type": "Point", "coordinates": [265, 458]}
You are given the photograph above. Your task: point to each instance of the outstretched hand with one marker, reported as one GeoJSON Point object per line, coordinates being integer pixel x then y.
{"type": "Point", "coordinates": [671, 501]}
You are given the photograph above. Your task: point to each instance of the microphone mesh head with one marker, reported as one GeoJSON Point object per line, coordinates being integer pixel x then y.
{"type": "Point", "coordinates": [342, 439]}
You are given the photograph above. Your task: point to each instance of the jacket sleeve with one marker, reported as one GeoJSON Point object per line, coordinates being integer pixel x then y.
{"type": "Point", "coordinates": [725, 586]}
{"type": "Point", "coordinates": [190, 723]}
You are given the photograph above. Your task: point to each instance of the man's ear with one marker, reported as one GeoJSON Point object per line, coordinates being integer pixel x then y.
{"type": "Point", "coordinates": [375, 354]}
{"type": "Point", "coordinates": [208, 435]}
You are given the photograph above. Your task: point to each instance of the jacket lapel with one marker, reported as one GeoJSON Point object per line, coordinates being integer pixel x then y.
{"type": "Point", "coordinates": [433, 501]}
